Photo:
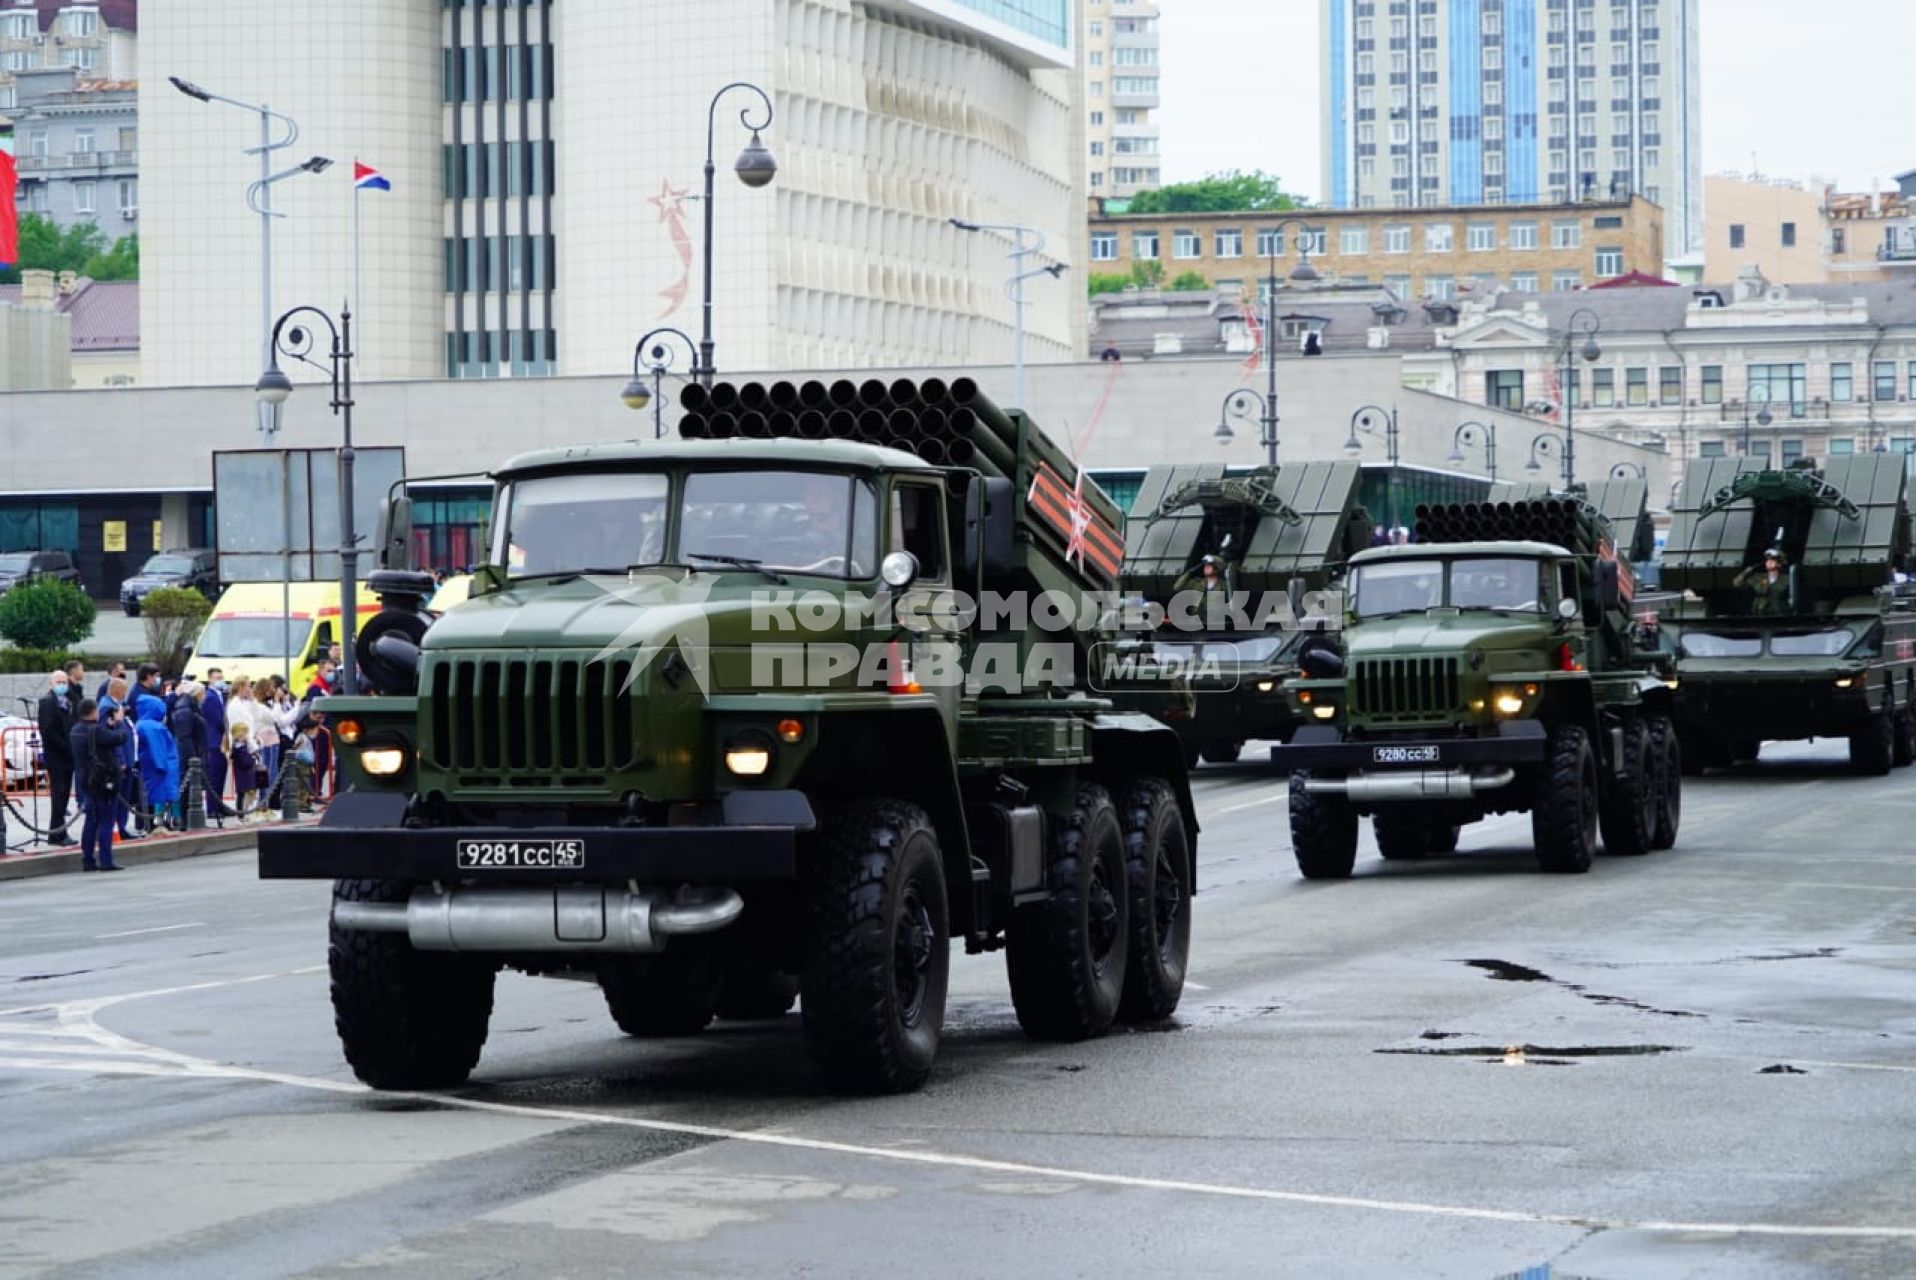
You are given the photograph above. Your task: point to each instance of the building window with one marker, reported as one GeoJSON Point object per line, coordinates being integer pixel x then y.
{"type": "Point", "coordinates": [1712, 384]}
{"type": "Point", "coordinates": [1097, 148]}
{"type": "Point", "coordinates": [1311, 240]}
{"type": "Point", "coordinates": [1097, 118]}
{"type": "Point", "coordinates": [1670, 384]}
{"type": "Point", "coordinates": [1710, 449]}
{"type": "Point", "coordinates": [1603, 388]}
{"type": "Point", "coordinates": [1185, 244]}
{"type": "Point", "coordinates": [1097, 27]}
{"type": "Point", "coordinates": [83, 141]}
{"type": "Point", "coordinates": [85, 195]}
{"type": "Point", "coordinates": [1781, 384]}
{"type": "Point", "coordinates": [1097, 88]}
{"type": "Point", "coordinates": [129, 197]}
{"type": "Point", "coordinates": [1503, 388]}
{"type": "Point", "coordinates": [1398, 285]}
{"type": "Point", "coordinates": [1844, 446]}
{"type": "Point", "coordinates": [1789, 242]}
{"type": "Point", "coordinates": [1842, 386]}
{"type": "Point", "coordinates": [1609, 263]}
{"type": "Point", "coordinates": [1397, 239]}
{"type": "Point", "coordinates": [1566, 233]}
{"type": "Point", "coordinates": [1792, 450]}
{"type": "Point", "coordinates": [1523, 235]}
{"type": "Point", "coordinates": [1565, 281]}
{"type": "Point", "coordinates": [80, 22]}
{"type": "Point", "coordinates": [1353, 240]}
{"type": "Point", "coordinates": [1636, 387]}
{"type": "Point", "coordinates": [1443, 288]}
{"type": "Point", "coordinates": [1104, 246]}
{"type": "Point", "coordinates": [1837, 241]}
{"type": "Point", "coordinates": [1736, 235]}
{"type": "Point", "coordinates": [1482, 236]}
{"type": "Point", "coordinates": [1884, 383]}
{"type": "Point", "coordinates": [1096, 57]}
{"type": "Point", "coordinates": [1524, 281]}
{"type": "Point", "coordinates": [1097, 179]}
{"type": "Point", "coordinates": [1144, 246]}
{"type": "Point", "coordinates": [1230, 244]}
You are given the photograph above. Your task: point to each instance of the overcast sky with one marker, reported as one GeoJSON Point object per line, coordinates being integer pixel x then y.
{"type": "Point", "coordinates": [1822, 88]}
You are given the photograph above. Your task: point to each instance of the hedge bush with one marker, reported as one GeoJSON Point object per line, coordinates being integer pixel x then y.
{"type": "Point", "coordinates": [173, 617]}
{"type": "Point", "coordinates": [39, 662]}
{"type": "Point", "coordinates": [46, 614]}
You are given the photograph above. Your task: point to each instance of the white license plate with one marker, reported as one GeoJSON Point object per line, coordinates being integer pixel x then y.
{"type": "Point", "coordinates": [1403, 755]}
{"type": "Point", "coordinates": [510, 855]}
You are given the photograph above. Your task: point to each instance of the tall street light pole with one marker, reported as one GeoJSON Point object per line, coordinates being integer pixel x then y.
{"type": "Point", "coordinates": [1302, 273]}
{"type": "Point", "coordinates": [1474, 432]}
{"type": "Point", "coordinates": [636, 394]}
{"type": "Point", "coordinates": [273, 387]}
{"type": "Point", "coordinates": [1026, 242]}
{"type": "Point", "coordinates": [755, 167]}
{"type": "Point", "coordinates": [1582, 321]}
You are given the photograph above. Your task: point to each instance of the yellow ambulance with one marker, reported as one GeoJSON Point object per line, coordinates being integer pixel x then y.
{"type": "Point", "coordinates": [255, 631]}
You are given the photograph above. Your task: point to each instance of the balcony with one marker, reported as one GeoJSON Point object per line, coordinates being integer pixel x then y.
{"type": "Point", "coordinates": [78, 161]}
{"type": "Point", "coordinates": [1898, 247]}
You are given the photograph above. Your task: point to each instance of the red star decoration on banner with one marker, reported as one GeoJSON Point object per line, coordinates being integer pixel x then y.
{"type": "Point", "coordinates": [670, 201]}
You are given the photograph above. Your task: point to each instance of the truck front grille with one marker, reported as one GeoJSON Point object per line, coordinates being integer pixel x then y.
{"type": "Point", "coordinates": [527, 721]}
{"type": "Point", "coordinates": [1404, 688]}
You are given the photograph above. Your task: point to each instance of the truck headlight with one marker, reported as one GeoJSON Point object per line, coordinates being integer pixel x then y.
{"type": "Point", "coordinates": [383, 762]}
{"type": "Point", "coordinates": [1265, 686]}
{"type": "Point", "coordinates": [1323, 711]}
{"type": "Point", "coordinates": [1507, 703]}
{"type": "Point", "coordinates": [1844, 682]}
{"type": "Point", "coordinates": [748, 756]}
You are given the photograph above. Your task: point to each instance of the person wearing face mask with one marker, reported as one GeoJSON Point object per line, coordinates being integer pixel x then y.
{"type": "Point", "coordinates": [56, 731]}
{"type": "Point", "coordinates": [213, 712]}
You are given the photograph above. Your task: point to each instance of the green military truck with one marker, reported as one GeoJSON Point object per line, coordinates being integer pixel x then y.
{"type": "Point", "coordinates": [697, 735]}
{"type": "Point", "coordinates": [1494, 666]}
{"type": "Point", "coordinates": [1825, 650]}
{"type": "Point", "coordinates": [1215, 675]}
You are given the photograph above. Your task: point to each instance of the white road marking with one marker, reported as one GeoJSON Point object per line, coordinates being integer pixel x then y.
{"type": "Point", "coordinates": [134, 933]}
{"type": "Point", "coordinates": [1851, 1066]}
{"type": "Point", "coordinates": [78, 1018]}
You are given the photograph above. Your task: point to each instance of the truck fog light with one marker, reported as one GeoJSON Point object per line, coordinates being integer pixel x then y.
{"type": "Point", "coordinates": [383, 762]}
{"type": "Point", "coordinates": [1265, 686]}
{"type": "Point", "coordinates": [748, 757]}
{"type": "Point", "coordinates": [1323, 711]}
{"type": "Point", "coordinates": [1844, 682]}
{"type": "Point", "coordinates": [1508, 704]}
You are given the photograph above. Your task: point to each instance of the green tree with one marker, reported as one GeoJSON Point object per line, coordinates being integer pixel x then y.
{"type": "Point", "coordinates": [173, 617]}
{"type": "Point", "coordinates": [81, 248]}
{"type": "Point", "coordinates": [1189, 280]}
{"type": "Point", "coordinates": [46, 614]}
{"type": "Point", "coordinates": [1109, 282]}
{"type": "Point", "coordinates": [1142, 275]}
{"type": "Point", "coordinates": [1232, 191]}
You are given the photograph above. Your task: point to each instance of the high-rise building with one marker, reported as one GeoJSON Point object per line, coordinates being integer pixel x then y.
{"type": "Point", "coordinates": [1447, 102]}
{"type": "Point", "coordinates": [1121, 96]}
{"type": "Point", "coordinates": [546, 163]}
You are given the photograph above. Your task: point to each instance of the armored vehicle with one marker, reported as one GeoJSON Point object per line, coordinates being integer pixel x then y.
{"type": "Point", "coordinates": [1215, 551]}
{"type": "Point", "coordinates": [1493, 666]}
{"type": "Point", "coordinates": [754, 713]}
{"type": "Point", "coordinates": [1824, 649]}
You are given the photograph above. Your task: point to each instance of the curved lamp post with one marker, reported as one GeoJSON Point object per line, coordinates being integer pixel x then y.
{"type": "Point", "coordinates": [655, 363]}
{"type": "Point", "coordinates": [1628, 471]}
{"type": "Point", "coordinates": [1763, 416]}
{"type": "Point", "coordinates": [1303, 273]}
{"type": "Point", "coordinates": [296, 343]}
{"type": "Point", "coordinates": [1478, 433]}
{"type": "Point", "coordinates": [1547, 444]}
{"type": "Point", "coordinates": [1365, 420]}
{"type": "Point", "coordinates": [755, 167]}
{"type": "Point", "coordinates": [1582, 321]}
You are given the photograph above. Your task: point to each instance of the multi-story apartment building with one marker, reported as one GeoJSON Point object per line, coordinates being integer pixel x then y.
{"type": "Point", "coordinates": [96, 38]}
{"type": "Point", "coordinates": [1437, 253]}
{"type": "Point", "coordinates": [1871, 235]}
{"type": "Point", "coordinates": [1462, 102]}
{"type": "Point", "coordinates": [77, 149]}
{"type": "Point", "coordinates": [1121, 96]}
{"type": "Point", "coordinates": [545, 162]}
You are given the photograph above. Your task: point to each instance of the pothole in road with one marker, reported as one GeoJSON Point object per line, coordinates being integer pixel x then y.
{"type": "Point", "coordinates": [1505, 971]}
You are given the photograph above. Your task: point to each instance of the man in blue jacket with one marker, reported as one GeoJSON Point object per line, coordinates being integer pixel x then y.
{"type": "Point", "coordinates": [96, 744]}
{"type": "Point", "coordinates": [213, 712]}
{"type": "Point", "coordinates": [128, 754]}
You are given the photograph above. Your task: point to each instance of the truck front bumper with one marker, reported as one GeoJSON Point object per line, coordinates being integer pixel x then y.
{"type": "Point", "coordinates": [1320, 747]}
{"type": "Point", "coordinates": [755, 839]}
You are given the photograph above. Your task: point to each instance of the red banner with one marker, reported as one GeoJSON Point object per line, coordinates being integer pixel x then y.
{"type": "Point", "coordinates": [9, 217]}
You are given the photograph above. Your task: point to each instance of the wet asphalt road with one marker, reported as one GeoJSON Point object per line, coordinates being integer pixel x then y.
{"type": "Point", "coordinates": [1719, 1081]}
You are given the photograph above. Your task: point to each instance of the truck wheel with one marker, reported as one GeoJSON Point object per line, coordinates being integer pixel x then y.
{"type": "Point", "coordinates": [1628, 807]}
{"type": "Point", "coordinates": [1323, 833]}
{"type": "Point", "coordinates": [672, 993]}
{"type": "Point", "coordinates": [877, 948]}
{"type": "Point", "coordinates": [1067, 956]}
{"type": "Point", "coordinates": [754, 992]}
{"type": "Point", "coordinates": [1563, 821]}
{"type": "Point", "coordinates": [1402, 837]}
{"type": "Point", "coordinates": [1444, 835]}
{"type": "Point", "coordinates": [1872, 746]}
{"type": "Point", "coordinates": [1666, 751]}
{"type": "Point", "coordinates": [407, 1019]}
{"type": "Point", "coordinates": [1905, 752]}
{"type": "Point", "coordinates": [1221, 752]}
{"type": "Point", "coordinates": [1157, 856]}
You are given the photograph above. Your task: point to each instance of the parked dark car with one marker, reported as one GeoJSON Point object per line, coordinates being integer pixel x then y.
{"type": "Point", "coordinates": [17, 567]}
{"type": "Point", "coordinates": [195, 568]}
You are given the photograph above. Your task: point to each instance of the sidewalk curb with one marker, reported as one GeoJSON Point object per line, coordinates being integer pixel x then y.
{"type": "Point", "coordinates": [139, 853]}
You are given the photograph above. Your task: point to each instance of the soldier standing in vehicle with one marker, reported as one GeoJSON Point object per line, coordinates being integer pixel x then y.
{"type": "Point", "coordinates": [1769, 584]}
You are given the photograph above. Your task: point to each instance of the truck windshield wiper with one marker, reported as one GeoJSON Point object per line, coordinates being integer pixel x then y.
{"type": "Point", "coordinates": [739, 562]}
{"type": "Point", "coordinates": [558, 576]}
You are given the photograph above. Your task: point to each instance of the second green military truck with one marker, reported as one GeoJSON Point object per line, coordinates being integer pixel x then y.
{"type": "Point", "coordinates": [1794, 623]}
{"type": "Point", "coordinates": [770, 710]}
{"type": "Point", "coordinates": [1493, 666]}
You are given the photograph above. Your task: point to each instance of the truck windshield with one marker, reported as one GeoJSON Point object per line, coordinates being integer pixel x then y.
{"type": "Point", "coordinates": [1705, 644]}
{"type": "Point", "coordinates": [607, 522]}
{"type": "Point", "coordinates": [1474, 582]}
{"type": "Point", "coordinates": [265, 637]}
{"type": "Point", "coordinates": [1815, 644]}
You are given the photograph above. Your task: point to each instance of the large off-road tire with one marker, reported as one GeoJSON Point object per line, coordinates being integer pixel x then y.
{"type": "Point", "coordinates": [1627, 807]}
{"type": "Point", "coordinates": [1067, 956]}
{"type": "Point", "coordinates": [1221, 752]}
{"type": "Point", "coordinates": [407, 1019]}
{"type": "Point", "coordinates": [1157, 859]}
{"type": "Point", "coordinates": [1563, 820]}
{"type": "Point", "coordinates": [672, 993]}
{"type": "Point", "coordinates": [1872, 746]}
{"type": "Point", "coordinates": [877, 947]}
{"type": "Point", "coordinates": [1444, 836]}
{"type": "Point", "coordinates": [1323, 833]}
{"type": "Point", "coordinates": [1667, 751]}
{"type": "Point", "coordinates": [1402, 837]}
{"type": "Point", "coordinates": [754, 991]}
{"type": "Point", "coordinates": [1905, 744]}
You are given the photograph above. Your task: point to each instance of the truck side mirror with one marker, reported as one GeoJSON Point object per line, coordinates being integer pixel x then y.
{"type": "Point", "coordinates": [1609, 585]}
{"type": "Point", "coordinates": [971, 542]}
{"type": "Point", "coordinates": [1001, 525]}
{"type": "Point", "coordinates": [395, 533]}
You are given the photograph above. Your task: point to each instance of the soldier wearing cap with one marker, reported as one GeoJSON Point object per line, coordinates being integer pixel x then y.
{"type": "Point", "coordinates": [1769, 584]}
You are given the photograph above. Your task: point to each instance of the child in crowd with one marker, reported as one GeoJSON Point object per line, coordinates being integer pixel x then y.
{"type": "Point", "coordinates": [245, 767]}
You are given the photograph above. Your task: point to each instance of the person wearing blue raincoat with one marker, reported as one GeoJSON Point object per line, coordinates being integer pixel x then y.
{"type": "Point", "coordinates": [159, 758]}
